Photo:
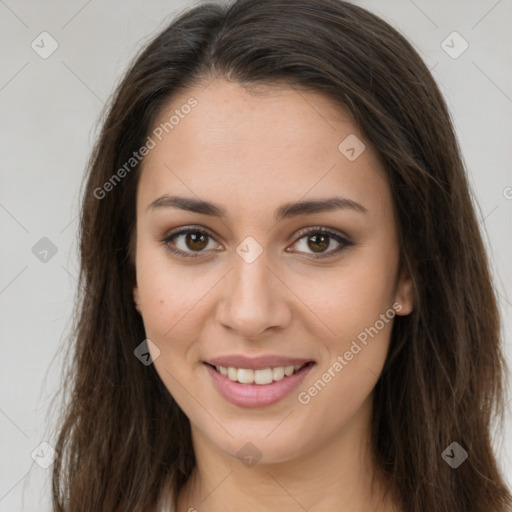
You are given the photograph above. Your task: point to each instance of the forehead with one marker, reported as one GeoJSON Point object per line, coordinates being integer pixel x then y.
{"type": "Point", "coordinates": [257, 147]}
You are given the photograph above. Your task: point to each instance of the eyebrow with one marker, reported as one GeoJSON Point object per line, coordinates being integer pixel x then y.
{"type": "Point", "coordinates": [285, 211]}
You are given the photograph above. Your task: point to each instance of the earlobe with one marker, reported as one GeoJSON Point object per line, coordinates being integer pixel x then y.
{"type": "Point", "coordinates": [404, 296]}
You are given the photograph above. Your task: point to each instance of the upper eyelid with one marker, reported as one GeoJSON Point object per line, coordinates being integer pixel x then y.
{"type": "Point", "coordinates": [301, 233]}
{"type": "Point", "coordinates": [187, 229]}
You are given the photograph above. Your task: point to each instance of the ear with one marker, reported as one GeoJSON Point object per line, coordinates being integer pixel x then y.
{"type": "Point", "coordinates": [136, 297]}
{"type": "Point", "coordinates": [404, 294]}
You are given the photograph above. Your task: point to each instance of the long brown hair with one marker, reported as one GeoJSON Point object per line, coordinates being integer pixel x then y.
{"type": "Point", "coordinates": [122, 440]}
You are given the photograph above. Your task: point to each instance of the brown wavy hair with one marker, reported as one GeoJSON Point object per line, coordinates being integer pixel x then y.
{"type": "Point", "coordinates": [122, 441]}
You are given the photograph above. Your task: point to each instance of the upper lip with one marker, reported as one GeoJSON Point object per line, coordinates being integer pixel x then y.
{"type": "Point", "coordinates": [256, 363]}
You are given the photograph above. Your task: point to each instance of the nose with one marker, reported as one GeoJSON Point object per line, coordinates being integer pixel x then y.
{"type": "Point", "coordinates": [254, 299]}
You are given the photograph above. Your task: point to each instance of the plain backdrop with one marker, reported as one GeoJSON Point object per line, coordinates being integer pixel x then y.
{"type": "Point", "coordinates": [49, 108]}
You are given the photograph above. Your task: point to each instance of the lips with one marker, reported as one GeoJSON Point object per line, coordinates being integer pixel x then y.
{"type": "Point", "coordinates": [256, 382]}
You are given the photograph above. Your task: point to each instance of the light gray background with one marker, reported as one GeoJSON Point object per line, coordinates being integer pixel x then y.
{"type": "Point", "coordinates": [48, 111]}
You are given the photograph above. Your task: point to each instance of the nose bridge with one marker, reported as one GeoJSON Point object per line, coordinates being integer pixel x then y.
{"type": "Point", "coordinates": [253, 298]}
{"type": "Point", "coordinates": [252, 280]}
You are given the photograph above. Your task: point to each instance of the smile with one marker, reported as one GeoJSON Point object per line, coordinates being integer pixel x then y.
{"type": "Point", "coordinates": [260, 377]}
{"type": "Point", "coordinates": [247, 387]}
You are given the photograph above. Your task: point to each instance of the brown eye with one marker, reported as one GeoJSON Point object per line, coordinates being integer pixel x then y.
{"type": "Point", "coordinates": [188, 241]}
{"type": "Point", "coordinates": [196, 241]}
{"type": "Point", "coordinates": [318, 240]}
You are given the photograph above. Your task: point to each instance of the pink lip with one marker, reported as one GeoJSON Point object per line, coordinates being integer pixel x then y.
{"type": "Point", "coordinates": [256, 363]}
{"type": "Point", "coordinates": [255, 395]}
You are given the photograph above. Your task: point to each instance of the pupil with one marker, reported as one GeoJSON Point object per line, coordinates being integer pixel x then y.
{"type": "Point", "coordinates": [323, 244]}
{"type": "Point", "coordinates": [196, 238]}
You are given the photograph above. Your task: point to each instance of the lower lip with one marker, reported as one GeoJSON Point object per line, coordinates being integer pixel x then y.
{"type": "Point", "coordinates": [256, 395]}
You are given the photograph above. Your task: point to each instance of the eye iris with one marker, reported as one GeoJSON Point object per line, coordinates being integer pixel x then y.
{"type": "Point", "coordinates": [323, 244]}
{"type": "Point", "coordinates": [192, 239]}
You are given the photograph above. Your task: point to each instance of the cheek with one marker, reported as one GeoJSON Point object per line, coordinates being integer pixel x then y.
{"type": "Point", "coordinates": [165, 298]}
{"type": "Point", "coordinates": [163, 290]}
{"type": "Point", "coordinates": [169, 314]}
{"type": "Point", "coordinates": [353, 296]}
{"type": "Point", "coordinates": [359, 313]}
{"type": "Point", "coordinates": [170, 321]}
{"type": "Point", "coordinates": [355, 303]}
{"type": "Point", "coordinates": [174, 310]}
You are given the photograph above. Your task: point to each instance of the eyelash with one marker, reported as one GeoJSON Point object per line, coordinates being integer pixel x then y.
{"type": "Point", "coordinates": [302, 234]}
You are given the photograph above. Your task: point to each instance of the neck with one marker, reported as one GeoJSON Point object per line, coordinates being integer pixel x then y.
{"type": "Point", "coordinates": [338, 475]}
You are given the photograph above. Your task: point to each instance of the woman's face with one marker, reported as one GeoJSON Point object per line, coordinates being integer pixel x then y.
{"type": "Point", "coordinates": [258, 284]}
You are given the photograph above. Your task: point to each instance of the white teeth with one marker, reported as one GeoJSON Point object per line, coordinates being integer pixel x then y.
{"type": "Point", "coordinates": [288, 370]}
{"type": "Point", "coordinates": [245, 376]}
{"type": "Point", "coordinates": [261, 377]}
{"type": "Point", "coordinates": [278, 373]}
{"type": "Point", "coordinates": [232, 373]}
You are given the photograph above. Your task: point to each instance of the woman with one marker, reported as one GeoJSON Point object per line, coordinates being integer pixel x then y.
{"type": "Point", "coordinates": [285, 300]}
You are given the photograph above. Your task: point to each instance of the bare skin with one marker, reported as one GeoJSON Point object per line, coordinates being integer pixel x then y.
{"type": "Point", "coordinates": [250, 154]}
